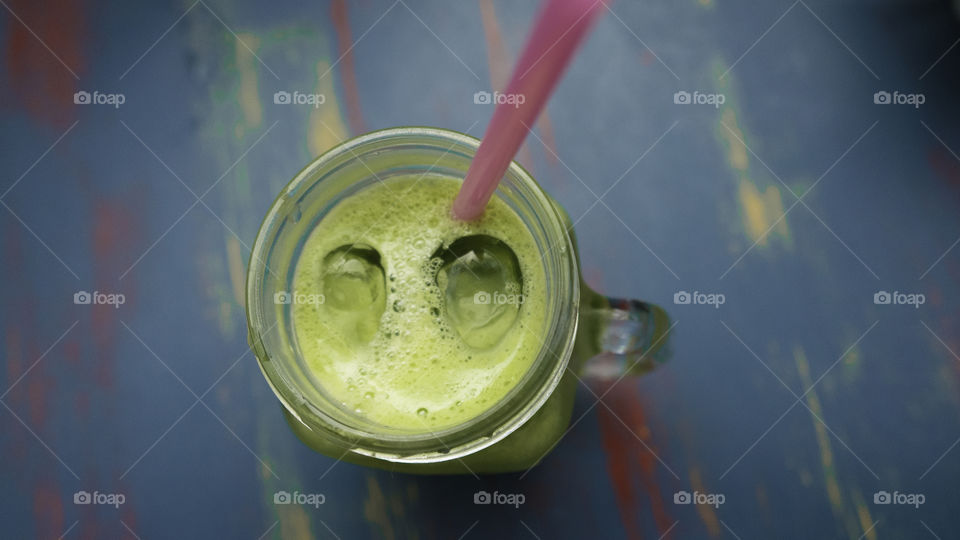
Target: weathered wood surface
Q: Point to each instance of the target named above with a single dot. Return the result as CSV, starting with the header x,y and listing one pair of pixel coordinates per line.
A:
x,y
798,198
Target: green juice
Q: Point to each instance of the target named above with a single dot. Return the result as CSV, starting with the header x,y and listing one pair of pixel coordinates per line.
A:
x,y
402,321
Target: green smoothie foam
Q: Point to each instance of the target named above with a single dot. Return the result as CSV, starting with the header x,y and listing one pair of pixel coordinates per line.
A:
x,y
411,319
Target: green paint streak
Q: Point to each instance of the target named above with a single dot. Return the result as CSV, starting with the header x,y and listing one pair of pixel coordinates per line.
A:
x,y
827,462
236,111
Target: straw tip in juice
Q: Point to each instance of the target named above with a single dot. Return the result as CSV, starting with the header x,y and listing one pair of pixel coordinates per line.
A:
x,y
462,210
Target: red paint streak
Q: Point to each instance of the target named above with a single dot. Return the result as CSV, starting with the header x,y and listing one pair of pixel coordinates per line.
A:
x,y
14,351
81,404
71,351
128,510
39,387
14,338
593,275
947,168
647,57
42,84
20,311
549,140
16,450
48,510
341,23
36,386
944,165
497,59
90,528
114,238
628,462
948,323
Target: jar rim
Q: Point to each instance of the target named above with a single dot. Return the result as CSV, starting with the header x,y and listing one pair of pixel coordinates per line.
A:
x,y
472,435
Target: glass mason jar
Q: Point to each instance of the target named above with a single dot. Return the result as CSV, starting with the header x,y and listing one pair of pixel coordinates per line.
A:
x,y
589,335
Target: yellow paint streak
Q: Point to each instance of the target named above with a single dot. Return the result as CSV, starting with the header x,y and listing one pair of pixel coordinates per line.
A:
x,y
707,513
823,439
375,509
326,126
226,317
294,521
852,364
853,356
948,379
761,211
235,267
736,150
761,208
248,93
866,522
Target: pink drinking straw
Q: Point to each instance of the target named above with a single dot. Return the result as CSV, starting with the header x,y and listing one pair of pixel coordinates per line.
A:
x,y
559,29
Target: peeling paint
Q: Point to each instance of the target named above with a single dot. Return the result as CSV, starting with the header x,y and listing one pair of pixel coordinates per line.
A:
x,y
761,205
831,485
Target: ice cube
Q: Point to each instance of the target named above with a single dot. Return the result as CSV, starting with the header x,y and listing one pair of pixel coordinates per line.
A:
x,y
354,289
481,283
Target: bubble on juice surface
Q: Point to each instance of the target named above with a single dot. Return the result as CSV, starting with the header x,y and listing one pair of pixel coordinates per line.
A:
x,y
354,290
480,281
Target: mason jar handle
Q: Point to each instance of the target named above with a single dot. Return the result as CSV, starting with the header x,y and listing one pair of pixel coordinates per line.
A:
x,y
618,337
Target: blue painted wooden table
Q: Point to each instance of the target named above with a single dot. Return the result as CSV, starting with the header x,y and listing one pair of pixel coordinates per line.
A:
x,y
798,161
